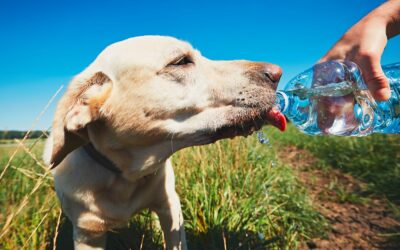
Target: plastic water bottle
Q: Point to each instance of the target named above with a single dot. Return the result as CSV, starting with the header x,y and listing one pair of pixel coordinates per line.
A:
x,y
331,98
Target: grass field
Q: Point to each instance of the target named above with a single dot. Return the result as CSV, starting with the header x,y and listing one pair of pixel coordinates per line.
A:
x,y
236,194
373,159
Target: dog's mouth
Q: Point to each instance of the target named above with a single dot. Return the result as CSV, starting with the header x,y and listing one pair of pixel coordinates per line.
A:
x,y
253,121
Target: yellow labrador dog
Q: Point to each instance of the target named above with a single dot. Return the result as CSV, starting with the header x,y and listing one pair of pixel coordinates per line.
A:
x,y
121,119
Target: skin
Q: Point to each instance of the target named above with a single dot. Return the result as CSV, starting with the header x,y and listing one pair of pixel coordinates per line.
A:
x,y
364,44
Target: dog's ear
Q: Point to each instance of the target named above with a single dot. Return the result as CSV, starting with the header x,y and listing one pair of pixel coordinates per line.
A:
x,y
80,105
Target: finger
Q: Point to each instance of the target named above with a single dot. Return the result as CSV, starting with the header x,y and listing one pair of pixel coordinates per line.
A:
x,y
376,80
337,52
322,59
328,57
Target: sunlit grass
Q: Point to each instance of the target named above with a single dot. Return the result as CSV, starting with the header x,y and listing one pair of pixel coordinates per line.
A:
x,y
238,188
27,203
373,159
234,194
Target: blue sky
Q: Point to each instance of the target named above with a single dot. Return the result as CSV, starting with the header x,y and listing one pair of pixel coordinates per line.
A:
x,y
44,43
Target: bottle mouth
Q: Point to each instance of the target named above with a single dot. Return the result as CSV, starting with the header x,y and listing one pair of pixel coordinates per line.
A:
x,y
281,101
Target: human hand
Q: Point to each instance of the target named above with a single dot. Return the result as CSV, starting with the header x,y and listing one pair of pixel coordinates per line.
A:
x,y
364,44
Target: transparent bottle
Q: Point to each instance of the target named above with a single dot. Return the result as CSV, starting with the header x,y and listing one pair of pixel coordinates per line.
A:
x,y
331,98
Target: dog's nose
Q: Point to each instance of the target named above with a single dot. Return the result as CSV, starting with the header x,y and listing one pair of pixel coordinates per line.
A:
x,y
272,72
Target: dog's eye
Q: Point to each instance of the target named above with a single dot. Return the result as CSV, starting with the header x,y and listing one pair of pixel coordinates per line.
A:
x,y
185,60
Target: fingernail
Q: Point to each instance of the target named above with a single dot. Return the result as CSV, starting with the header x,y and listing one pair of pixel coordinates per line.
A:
x,y
387,93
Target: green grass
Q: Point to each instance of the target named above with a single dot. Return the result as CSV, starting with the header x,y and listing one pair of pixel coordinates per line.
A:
x,y
27,202
373,159
234,193
343,195
238,188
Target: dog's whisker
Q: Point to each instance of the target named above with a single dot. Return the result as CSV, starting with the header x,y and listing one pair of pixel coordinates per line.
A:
x,y
172,143
254,121
242,126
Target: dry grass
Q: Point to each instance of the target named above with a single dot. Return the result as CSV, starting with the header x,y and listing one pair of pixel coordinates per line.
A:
x,y
235,195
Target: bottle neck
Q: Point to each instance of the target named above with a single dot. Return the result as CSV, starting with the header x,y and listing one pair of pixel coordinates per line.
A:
x,y
282,101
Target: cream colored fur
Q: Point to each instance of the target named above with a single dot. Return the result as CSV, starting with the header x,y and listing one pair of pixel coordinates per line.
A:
x,y
138,103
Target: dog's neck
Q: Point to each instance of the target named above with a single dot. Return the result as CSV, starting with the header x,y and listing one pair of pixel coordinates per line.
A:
x,y
133,162
101,159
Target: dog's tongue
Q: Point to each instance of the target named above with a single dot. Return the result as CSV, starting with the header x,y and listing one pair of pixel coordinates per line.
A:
x,y
276,118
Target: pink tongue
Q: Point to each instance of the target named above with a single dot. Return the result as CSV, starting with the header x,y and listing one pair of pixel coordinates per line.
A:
x,y
276,118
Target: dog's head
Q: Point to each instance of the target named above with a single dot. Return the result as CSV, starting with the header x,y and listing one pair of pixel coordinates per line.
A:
x,y
157,94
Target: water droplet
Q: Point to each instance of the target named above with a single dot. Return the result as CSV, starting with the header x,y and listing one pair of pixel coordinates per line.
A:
x,y
366,118
273,163
262,138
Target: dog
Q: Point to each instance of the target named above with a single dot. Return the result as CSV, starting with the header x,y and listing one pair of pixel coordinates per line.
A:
x,y
138,102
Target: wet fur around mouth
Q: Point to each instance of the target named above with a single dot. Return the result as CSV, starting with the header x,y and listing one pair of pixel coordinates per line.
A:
x,y
251,107
240,123
243,124
255,97
255,104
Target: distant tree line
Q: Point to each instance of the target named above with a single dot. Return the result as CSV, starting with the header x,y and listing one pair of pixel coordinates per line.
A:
x,y
15,134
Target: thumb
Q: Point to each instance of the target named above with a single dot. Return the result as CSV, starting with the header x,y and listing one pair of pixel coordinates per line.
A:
x,y
376,80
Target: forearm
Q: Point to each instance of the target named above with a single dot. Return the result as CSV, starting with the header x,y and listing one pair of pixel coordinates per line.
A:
x,y
389,14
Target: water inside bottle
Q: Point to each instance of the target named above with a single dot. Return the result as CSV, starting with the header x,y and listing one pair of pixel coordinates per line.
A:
x,y
334,108
331,89
262,138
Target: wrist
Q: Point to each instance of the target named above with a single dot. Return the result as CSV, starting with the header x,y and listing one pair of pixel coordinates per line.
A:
x,y
389,14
